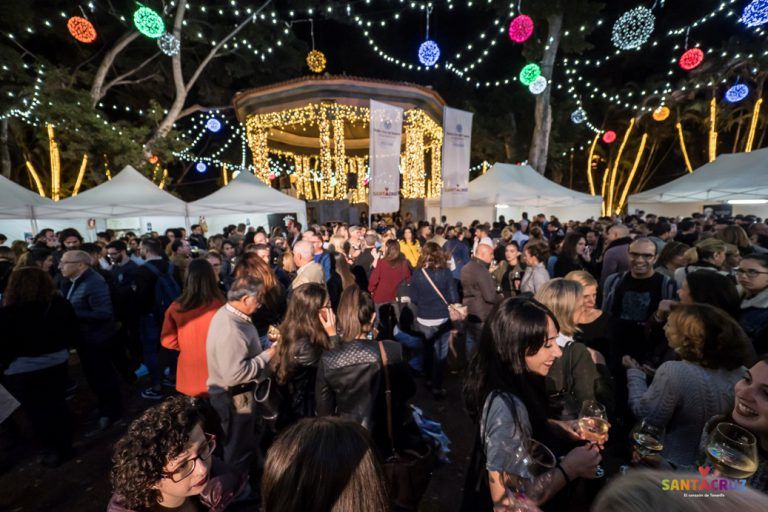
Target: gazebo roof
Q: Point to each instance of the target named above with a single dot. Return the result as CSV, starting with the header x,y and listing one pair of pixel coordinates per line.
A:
x,y
346,90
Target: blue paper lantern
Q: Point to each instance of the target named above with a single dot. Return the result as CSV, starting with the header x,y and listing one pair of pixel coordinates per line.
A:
x,y
429,53
737,93
213,125
578,116
755,14
201,167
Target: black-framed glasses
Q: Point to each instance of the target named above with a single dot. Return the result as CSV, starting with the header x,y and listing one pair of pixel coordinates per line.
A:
x,y
749,272
187,467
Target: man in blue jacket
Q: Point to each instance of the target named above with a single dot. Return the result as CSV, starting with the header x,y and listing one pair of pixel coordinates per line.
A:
x,y
88,293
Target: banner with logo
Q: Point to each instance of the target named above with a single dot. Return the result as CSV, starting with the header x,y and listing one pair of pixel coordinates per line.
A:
x,y
386,135
457,139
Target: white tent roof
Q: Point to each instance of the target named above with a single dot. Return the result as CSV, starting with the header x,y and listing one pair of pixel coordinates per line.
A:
x,y
730,176
128,194
521,185
246,194
16,202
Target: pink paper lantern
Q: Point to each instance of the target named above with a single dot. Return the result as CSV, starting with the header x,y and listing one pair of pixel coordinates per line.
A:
x,y
691,59
609,137
521,28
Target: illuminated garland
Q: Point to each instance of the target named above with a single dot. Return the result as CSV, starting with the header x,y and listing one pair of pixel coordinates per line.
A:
x,y
81,29
633,28
755,13
148,22
521,28
529,73
691,59
169,44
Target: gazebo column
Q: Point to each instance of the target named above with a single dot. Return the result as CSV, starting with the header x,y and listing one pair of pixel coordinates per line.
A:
x,y
257,140
326,158
413,166
339,158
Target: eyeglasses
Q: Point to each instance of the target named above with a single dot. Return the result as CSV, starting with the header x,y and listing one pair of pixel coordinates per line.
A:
x,y
750,273
638,255
187,467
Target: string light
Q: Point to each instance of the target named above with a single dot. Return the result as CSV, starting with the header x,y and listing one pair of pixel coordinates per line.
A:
x,y
755,13
35,178
736,93
589,165
80,175
753,126
169,44
691,59
81,29
521,28
529,73
712,129
616,163
148,22
688,165
635,165
661,114
633,28
538,86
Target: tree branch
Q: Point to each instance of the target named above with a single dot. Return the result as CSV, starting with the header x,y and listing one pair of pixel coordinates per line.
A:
x,y
136,81
199,108
106,63
121,79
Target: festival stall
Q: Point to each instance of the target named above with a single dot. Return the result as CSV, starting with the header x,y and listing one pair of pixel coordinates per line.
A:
x,y
739,180
247,199
19,210
510,190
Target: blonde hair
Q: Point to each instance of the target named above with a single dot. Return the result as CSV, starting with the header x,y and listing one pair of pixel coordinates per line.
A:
x,y
582,277
561,297
704,249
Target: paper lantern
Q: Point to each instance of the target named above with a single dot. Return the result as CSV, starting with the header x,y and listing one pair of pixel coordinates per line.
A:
x,y
521,28
148,22
169,45
429,53
213,125
609,137
633,28
272,176
736,93
529,73
81,29
153,159
538,85
578,116
316,61
661,113
691,59
201,167
755,13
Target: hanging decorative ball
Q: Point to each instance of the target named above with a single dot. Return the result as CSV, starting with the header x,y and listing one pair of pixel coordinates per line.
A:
x,y
691,59
235,174
578,116
529,73
633,28
609,137
538,85
201,167
661,113
272,176
153,159
213,125
169,45
81,29
736,93
316,61
521,28
148,22
755,13
429,53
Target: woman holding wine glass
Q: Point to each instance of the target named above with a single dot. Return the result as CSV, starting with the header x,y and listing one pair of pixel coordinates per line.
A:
x,y
505,392
712,348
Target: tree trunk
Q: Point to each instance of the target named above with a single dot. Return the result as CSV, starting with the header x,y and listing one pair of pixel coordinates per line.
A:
x,y
537,155
5,155
97,88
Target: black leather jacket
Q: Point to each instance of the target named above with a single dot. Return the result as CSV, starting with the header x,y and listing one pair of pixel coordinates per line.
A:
x,y
350,384
298,393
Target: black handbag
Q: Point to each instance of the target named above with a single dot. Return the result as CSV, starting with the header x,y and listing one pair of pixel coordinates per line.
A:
x,y
408,471
563,404
269,400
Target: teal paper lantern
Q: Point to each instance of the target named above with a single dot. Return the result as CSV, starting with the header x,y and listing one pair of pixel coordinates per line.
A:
x,y
148,22
530,73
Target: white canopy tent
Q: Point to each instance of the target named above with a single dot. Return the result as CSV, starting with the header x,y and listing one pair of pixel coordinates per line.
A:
x,y
245,199
18,209
734,177
510,190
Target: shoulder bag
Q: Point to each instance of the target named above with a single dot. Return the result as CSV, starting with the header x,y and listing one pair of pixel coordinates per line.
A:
x,y
408,472
458,311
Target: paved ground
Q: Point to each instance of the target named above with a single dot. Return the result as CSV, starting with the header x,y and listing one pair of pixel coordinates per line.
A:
x,y
82,484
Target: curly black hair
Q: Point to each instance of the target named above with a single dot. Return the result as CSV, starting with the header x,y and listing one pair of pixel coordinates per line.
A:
x,y
140,456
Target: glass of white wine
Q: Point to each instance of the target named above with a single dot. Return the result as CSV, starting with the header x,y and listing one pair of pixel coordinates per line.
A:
x,y
593,426
648,438
534,462
732,451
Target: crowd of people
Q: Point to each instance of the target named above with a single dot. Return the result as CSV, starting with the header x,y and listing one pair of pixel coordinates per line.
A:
x,y
278,368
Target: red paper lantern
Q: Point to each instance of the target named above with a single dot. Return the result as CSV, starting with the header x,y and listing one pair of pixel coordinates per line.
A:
x,y
609,137
81,29
153,159
521,28
691,59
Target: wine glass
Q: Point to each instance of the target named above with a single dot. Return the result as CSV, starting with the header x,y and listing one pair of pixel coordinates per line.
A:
x,y
533,463
648,438
593,426
732,451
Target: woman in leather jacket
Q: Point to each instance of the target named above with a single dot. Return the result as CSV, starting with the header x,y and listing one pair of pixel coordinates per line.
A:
x,y
350,378
308,328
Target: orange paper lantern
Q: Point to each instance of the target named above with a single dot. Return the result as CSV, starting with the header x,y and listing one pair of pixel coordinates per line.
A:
x,y
81,29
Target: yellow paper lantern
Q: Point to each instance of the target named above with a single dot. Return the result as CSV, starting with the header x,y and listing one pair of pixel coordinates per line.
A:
x,y
661,114
316,61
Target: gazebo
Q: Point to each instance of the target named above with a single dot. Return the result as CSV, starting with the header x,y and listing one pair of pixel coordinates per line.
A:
x,y
315,131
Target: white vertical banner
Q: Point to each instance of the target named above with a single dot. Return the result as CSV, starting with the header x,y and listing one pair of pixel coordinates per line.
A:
x,y
457,139
386,135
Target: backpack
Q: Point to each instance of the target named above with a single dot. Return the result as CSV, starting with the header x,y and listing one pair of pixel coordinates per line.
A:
x,y
167,289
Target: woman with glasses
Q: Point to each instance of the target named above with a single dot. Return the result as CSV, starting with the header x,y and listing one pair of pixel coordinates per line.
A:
x,y
165,462
752,276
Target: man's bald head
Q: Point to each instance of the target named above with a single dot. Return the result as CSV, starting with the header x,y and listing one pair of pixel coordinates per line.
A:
x,y
484,252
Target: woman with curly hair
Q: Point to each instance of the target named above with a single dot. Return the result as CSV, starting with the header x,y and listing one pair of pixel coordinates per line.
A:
x,y
684,394
165,462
